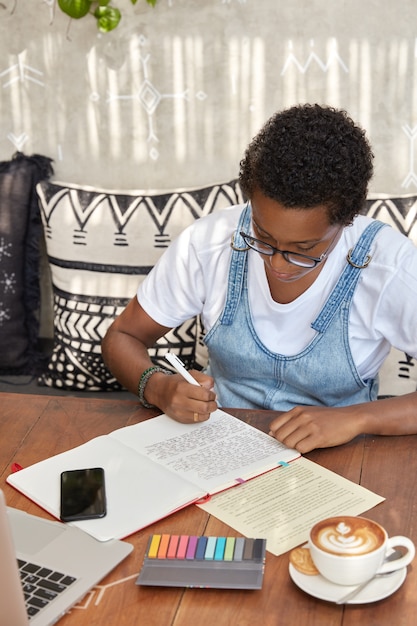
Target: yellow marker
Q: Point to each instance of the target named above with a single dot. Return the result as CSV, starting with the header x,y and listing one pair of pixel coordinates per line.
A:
x,y
153,548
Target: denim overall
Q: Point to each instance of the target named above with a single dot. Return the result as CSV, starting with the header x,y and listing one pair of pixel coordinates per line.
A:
x,y
248,375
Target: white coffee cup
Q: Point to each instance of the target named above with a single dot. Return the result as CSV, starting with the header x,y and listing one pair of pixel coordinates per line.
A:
x,y
350,550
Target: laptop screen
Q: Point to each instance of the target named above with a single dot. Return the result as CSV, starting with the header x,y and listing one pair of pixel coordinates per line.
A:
x,y
13,609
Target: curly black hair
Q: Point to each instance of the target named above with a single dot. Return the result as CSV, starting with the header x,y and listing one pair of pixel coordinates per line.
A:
x,y
310,155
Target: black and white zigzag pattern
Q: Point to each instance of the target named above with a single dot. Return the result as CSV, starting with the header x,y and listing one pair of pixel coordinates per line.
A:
x,y
101,234
400,213
129,207
70,216
76,361
399,372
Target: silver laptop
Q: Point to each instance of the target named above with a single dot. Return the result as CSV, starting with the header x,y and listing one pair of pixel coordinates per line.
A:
x,y
47,567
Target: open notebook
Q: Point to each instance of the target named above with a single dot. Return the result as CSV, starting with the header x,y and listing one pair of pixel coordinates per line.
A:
x,y
47,567
157,467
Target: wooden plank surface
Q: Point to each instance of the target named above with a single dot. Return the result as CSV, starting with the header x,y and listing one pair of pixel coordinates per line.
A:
x,y
35,427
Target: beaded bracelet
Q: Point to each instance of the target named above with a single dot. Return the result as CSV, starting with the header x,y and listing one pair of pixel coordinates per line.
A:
x,y
143,382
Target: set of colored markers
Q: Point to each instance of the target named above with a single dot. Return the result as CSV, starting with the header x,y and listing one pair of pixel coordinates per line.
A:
x,y
215,562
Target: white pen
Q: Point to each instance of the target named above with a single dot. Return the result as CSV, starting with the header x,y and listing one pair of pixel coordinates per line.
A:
x,y
179,366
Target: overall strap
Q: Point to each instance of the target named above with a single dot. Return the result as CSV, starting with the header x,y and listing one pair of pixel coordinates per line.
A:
x,y
357,259
237,267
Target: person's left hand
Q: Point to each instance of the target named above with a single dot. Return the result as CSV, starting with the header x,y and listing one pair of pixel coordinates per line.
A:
x,y
305,428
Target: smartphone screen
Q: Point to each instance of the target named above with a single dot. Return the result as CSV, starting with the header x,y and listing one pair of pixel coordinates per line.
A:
x,y
83,494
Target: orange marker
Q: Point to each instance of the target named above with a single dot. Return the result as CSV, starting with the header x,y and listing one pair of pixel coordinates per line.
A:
x,y
163,547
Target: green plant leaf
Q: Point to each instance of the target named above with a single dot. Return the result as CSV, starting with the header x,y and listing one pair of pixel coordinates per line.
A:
x,y
107,18
75,8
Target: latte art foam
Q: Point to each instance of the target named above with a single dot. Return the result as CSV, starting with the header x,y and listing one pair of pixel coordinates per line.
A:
x,y
339,537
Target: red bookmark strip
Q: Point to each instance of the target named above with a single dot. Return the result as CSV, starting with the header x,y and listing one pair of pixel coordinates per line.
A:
x,y
173,546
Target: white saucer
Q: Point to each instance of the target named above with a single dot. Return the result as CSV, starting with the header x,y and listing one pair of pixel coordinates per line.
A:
x,y
377,589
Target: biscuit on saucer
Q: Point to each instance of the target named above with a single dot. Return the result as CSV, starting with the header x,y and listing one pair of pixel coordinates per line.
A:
x,y
301,559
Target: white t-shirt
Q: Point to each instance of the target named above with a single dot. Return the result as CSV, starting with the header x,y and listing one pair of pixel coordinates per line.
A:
x,y
191,278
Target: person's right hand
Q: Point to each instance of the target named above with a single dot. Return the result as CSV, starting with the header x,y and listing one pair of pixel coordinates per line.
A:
x,y
181,400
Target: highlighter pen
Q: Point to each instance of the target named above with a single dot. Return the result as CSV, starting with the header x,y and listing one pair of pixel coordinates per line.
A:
x,y
179,366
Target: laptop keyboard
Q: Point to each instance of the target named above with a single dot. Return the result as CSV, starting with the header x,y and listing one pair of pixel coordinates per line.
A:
x,y
41,585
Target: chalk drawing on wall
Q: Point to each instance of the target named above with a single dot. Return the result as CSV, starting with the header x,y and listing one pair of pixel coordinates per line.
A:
x,y
149,97
411,178
51,6
313,58
18,140
20,72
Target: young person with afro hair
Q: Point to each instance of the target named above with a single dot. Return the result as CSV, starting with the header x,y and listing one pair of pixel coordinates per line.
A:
x,y
301,297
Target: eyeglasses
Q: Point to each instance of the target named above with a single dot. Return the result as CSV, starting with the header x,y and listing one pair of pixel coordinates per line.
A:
x,y
301,260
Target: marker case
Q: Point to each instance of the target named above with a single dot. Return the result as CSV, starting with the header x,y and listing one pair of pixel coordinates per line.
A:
x,y
211,562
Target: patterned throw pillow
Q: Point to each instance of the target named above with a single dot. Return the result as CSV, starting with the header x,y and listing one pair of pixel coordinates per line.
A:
x,y
400,212
399,372
100,244
398,375
20,234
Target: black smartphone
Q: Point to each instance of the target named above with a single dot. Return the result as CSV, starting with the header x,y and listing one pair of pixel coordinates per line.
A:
x,y
83,494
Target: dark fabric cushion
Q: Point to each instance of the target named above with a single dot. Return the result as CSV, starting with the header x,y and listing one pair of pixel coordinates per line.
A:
x,y
20,232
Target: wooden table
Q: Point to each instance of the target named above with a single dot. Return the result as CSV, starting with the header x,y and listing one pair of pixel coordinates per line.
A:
x,y
33,428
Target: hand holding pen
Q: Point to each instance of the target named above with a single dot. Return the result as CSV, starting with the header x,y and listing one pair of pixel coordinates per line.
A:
x,y
180,368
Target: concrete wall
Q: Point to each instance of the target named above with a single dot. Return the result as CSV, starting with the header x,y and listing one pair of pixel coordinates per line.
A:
x,y
174,94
